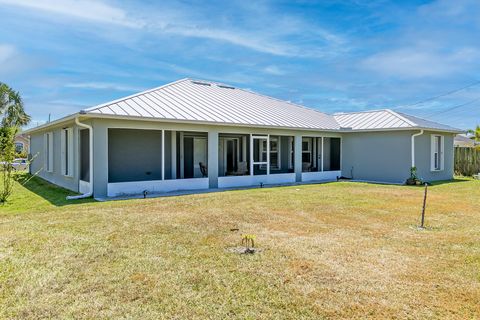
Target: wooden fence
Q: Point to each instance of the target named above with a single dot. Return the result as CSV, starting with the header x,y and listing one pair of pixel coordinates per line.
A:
x,y
467,161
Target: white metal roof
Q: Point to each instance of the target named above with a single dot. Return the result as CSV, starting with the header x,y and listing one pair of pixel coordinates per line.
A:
x,y
386,119
211,102
205,101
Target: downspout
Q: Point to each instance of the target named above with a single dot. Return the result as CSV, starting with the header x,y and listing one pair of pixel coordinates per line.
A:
x,y
413,146
90,155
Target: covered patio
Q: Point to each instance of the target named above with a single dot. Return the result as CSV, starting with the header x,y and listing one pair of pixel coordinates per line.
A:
x,y
155,161
160,161
255,159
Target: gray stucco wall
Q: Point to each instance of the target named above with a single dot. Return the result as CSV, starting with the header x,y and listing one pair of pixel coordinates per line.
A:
x,y
422,157
37,150
386,156
374,156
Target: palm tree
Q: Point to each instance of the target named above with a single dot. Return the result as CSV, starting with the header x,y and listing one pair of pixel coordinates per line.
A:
x,y
12,117
12,113
477,133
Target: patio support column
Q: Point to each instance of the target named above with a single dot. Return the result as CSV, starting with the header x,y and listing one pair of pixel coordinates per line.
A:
x,y
268,154
244,148
297,150
100,159
251,154
213,159
173,149
181,156
322,156
163,154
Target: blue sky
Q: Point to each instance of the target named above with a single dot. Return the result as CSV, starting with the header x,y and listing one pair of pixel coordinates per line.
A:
x,y
338,55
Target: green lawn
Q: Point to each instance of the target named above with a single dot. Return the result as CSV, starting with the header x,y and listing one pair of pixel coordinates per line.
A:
x,y
336,250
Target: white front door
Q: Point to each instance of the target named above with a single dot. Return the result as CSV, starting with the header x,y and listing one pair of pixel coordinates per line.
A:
x,y
199,155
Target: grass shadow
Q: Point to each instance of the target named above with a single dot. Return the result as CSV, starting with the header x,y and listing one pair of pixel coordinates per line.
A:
x,y
52,193
455,180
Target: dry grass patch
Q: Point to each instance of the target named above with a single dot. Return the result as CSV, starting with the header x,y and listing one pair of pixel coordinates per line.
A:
x,y
338,250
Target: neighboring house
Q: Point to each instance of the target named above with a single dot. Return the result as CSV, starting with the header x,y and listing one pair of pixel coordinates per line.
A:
x,y
462,140
22,144
195,134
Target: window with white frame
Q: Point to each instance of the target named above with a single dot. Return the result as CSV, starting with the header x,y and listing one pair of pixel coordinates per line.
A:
x,y
437,157
48,142
274,153
18,147
306,150
67,151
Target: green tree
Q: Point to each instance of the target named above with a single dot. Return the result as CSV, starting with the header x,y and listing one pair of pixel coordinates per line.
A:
x,y
13,116
475,133
12,111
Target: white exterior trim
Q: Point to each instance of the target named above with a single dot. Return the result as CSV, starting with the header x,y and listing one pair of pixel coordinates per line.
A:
x,y
251,180
66,151
268,154
59,122
48,142
173,160
321,176
163,154
440,152
253,163
155,186
413,146
83,186
321,164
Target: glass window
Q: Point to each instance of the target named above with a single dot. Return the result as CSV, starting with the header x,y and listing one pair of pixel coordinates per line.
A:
x,y
305,145
18,147
274,153
49,152
437,152
306,150
67,152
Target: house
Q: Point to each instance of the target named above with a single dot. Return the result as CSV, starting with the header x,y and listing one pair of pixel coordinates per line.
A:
x,y
22,144
462,140
195,134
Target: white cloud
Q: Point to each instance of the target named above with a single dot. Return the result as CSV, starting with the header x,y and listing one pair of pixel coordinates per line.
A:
x,y
13,62
103,86
234,37
417,62
179,22
274,70
7,52
96,11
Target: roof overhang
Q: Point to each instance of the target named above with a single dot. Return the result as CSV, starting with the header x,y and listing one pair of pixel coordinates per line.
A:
x,y
403,129
51,124
86,115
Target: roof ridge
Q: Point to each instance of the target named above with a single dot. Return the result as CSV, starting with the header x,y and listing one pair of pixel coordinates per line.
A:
x,y
423,119
402,117
265,96
354,112
285,101
134,95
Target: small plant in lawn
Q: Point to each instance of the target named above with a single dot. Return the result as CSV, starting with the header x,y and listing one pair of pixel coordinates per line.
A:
x,y
248,240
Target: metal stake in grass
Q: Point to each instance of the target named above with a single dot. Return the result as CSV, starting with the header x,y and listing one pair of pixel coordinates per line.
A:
x,y
422,225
